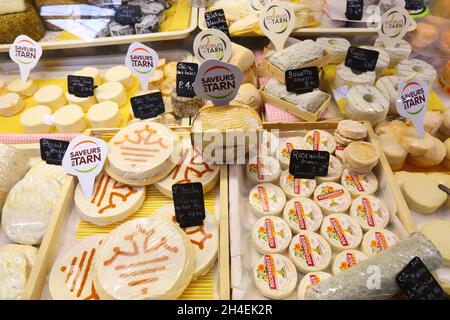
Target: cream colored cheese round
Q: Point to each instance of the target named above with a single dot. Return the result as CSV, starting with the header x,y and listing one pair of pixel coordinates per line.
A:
x,y
370,212
29,252
275,276
296,187
345,76
309,280
336,47
359,184
13,275
52,96
266,199
262,169
366,103
377,240
69,119
25,89
310,252
335,169
353,130
438,232
332,197
361,157
388,86
302,214
347,259
419,68
268,144
284,151
91,72
111,91
319,140
10,104
397,53
271,234
120,74
33,119
104,115
84,102
341,231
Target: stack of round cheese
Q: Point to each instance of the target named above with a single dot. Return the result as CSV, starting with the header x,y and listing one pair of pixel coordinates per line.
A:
x,y
262,169
417,68
361,157
397,53
25,89
346,77
51,96
366,103
336,47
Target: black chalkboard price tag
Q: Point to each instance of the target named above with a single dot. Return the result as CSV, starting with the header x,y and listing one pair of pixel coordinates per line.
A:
x,y
361,59
354,9
81,87
148,106
308,164
128,14
189,204
216,20
414,5
186,73
302,80
52,151
418,282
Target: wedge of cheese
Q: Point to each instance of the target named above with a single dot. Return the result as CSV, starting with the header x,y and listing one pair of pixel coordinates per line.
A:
x,y
438,232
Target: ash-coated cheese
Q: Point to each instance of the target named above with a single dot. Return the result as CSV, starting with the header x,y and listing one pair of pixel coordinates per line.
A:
x,y
104,115
275,276
341,231
397,53
347,259
359,184
302,214
419,68
33,119
310,252
296,187
366,103
370,212
270,235
388,86
14,273
320,140
438,232
25,89
346,77
297,55
377,240
262,169
336,47
382,62
120,74
266,199
335,169
310,280
51,96
332,197
10,104
285,148
69,119
111,91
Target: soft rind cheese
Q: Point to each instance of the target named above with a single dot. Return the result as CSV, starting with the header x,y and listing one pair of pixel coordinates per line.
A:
x,y
310,252
266,199
388,86
10,104
347,259
346,77
309,280
262,169
341,231
377,240
33,119
52,96
275,276
42,169
111,91
353,130
397,53
285,149
370,212
361,157
120,74
335,169
72,275
336,47
25,89
438,232
14,273
332,197
271,234
29,252
319,140
84,102
204,238
366,103
144,259
359,184
111,201
69,119
91,72
104,115
302,214
420,68
296,187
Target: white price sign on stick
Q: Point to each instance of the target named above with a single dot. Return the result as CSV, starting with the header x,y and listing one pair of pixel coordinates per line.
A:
x,y
394,25
277,20
212,44
25,52
142,61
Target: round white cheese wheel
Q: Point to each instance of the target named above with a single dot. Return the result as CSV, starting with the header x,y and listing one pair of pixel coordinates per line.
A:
x,y
370,212
262,169
309,280
34,119
52,96
319,140
142,153
366,103
266,199
397,53
111,201
84,102
341,231
268,144
204,238
271,234
335,169
421,69
347,259
69,119
332,197
91,72
10,104
275,276
144,259
28,209
353,130
104,115
361,157
359,184
120,74
346,77
388,86
111,91
25,89
14,272
302,214
377,240
310,252
336,47
192,168
382,62
296,187
72,275
29,252
285,149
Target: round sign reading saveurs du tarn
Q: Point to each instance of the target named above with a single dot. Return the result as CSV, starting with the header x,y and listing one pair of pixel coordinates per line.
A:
x,y
218,81
212,44
25,52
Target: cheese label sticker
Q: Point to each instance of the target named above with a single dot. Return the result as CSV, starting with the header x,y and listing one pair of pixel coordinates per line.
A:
x,y
25,52
303,215
272,233
85,158
142,61
258,5
274,272
309,250
212,44
277,20
342,231
393,26
412,102
260,166
218,81
262,192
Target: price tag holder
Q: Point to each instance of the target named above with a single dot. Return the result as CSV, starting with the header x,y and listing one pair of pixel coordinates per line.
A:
x,y
52,151
128,15
302,80
354,10
212,44
25,52
186,74
414,5
142,61
81,87
418,283
148,106
308,164
189,204
361,59
393,26
277,20
216,20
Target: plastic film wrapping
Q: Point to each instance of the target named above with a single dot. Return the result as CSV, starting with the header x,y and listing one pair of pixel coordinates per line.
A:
x,y
359,282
